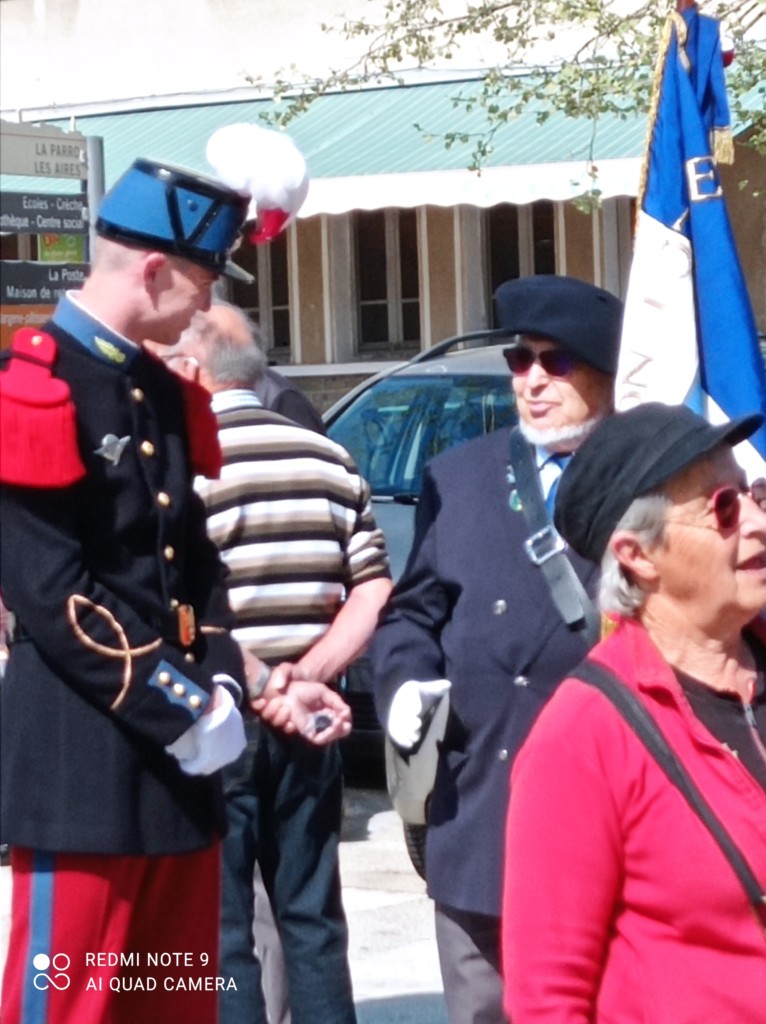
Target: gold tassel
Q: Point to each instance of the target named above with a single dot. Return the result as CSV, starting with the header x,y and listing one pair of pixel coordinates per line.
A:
x,y
722,145
654,105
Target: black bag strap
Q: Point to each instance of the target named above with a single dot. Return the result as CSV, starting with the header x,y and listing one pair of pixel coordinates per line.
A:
x,y
638,718
545,548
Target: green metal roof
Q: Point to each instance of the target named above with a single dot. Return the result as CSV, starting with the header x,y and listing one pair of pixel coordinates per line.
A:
x,y
361,134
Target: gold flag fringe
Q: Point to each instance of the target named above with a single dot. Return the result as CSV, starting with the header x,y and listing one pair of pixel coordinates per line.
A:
x,y
722,145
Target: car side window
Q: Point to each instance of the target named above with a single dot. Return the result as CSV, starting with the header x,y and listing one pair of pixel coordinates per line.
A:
x,y
396,426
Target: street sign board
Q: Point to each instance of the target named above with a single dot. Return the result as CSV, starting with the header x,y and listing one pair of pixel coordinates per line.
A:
x,y
14,317
61,248
27,283
42,152
24,213
29,291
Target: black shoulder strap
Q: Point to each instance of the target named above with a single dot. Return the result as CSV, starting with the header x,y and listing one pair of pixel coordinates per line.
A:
x,y
638,718
545,548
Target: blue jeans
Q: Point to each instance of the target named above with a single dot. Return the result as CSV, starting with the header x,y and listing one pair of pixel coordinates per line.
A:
x,y
284,805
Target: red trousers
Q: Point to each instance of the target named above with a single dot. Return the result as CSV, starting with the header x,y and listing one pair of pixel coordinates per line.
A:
x,y
113,939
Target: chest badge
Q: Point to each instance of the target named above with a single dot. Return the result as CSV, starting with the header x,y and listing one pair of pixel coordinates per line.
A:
x,y
112,448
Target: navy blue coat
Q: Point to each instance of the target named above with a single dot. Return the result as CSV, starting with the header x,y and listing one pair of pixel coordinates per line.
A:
x,y
470,607
98,681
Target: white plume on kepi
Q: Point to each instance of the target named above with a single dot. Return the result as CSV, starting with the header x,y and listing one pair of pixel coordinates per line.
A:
x,y
267,166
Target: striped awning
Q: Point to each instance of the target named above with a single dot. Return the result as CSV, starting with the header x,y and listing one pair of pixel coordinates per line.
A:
x,y
383,147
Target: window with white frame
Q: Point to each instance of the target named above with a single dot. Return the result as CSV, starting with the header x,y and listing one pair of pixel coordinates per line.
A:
x,y
385,246
520,241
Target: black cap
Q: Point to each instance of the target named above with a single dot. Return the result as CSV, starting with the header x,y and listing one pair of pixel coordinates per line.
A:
x,y
581,318
629,455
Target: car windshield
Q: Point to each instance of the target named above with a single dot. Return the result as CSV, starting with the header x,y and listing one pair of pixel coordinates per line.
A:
x,y
400,423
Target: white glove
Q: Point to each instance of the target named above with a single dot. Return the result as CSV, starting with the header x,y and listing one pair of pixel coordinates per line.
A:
x,y
214,740
412,701
225,680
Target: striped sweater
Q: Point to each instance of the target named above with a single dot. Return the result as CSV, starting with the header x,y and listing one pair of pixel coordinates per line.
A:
x,y
291,516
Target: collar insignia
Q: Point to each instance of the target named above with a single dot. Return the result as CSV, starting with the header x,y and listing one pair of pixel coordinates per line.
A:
x,y
112,448
109,350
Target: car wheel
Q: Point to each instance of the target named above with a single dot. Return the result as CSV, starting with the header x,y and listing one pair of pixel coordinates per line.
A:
x,y
415,841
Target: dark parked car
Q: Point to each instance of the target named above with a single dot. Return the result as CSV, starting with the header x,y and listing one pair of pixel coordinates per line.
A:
x,y
393,424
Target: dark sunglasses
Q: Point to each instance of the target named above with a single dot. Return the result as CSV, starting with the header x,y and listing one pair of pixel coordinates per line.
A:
x,y
556,363
726,505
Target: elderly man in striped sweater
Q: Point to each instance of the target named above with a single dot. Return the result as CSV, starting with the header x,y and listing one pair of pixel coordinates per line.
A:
x,y
309,576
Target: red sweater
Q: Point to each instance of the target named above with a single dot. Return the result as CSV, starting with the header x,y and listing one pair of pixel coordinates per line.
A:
x,y
619,906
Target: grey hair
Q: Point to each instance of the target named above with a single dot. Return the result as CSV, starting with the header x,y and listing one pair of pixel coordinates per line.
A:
x,y
645,518
226,359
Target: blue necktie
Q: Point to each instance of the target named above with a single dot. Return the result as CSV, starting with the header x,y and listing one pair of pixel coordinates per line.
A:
x,y
559,459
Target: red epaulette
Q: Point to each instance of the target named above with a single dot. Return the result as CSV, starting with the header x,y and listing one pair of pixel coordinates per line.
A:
x,y
201,430
38,433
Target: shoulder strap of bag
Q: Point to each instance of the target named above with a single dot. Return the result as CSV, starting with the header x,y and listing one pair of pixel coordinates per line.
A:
x,y
545,548
638,718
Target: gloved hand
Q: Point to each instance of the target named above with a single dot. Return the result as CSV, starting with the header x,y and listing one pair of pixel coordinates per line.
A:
x,y
411,703
215,739
225,680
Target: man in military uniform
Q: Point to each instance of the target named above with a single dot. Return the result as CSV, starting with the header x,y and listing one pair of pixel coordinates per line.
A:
x,y
116,706
474,614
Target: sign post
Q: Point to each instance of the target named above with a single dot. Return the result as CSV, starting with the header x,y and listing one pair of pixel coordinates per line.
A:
x,y
44,152
60,222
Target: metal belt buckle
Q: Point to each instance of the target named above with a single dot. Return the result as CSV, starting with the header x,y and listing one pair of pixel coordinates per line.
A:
x,y
543,545
187,626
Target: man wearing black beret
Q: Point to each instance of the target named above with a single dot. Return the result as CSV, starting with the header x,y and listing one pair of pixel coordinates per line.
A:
x,y
473,614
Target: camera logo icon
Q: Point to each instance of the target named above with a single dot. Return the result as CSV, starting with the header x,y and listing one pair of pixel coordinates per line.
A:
x,y
58,965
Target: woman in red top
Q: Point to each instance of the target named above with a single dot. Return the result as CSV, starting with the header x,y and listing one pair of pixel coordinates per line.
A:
x,y
619,906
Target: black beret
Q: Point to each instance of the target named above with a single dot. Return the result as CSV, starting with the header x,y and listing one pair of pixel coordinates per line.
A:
x,y
583,319
628,455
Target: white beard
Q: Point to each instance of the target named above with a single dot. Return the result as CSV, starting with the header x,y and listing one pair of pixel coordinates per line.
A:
x,y
554,438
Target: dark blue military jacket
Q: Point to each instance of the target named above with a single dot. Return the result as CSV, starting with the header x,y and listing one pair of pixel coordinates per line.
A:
x,y
99,680
470,607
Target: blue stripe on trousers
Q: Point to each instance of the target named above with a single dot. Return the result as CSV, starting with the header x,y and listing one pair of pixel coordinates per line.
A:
x,y
35,995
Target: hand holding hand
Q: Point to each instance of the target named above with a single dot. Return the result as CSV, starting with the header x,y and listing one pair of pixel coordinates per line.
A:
x,y
308,707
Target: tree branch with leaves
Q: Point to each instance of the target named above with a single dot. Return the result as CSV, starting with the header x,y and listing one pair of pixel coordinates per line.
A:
x,y
582,58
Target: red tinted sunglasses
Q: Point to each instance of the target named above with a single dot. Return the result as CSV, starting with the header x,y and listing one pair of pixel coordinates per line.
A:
x,y
726,504
556,363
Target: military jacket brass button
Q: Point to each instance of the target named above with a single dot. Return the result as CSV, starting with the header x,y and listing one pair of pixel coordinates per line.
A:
x,y
174,603
189,656
502,755
147,448
163,499
195,702
179,689
164,678
499,607
169,553
137,395
521,681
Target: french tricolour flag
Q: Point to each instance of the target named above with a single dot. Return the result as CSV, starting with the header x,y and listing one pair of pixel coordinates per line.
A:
x,y
690,334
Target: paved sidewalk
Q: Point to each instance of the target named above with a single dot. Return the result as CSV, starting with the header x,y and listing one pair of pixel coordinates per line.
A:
x,y
394,964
